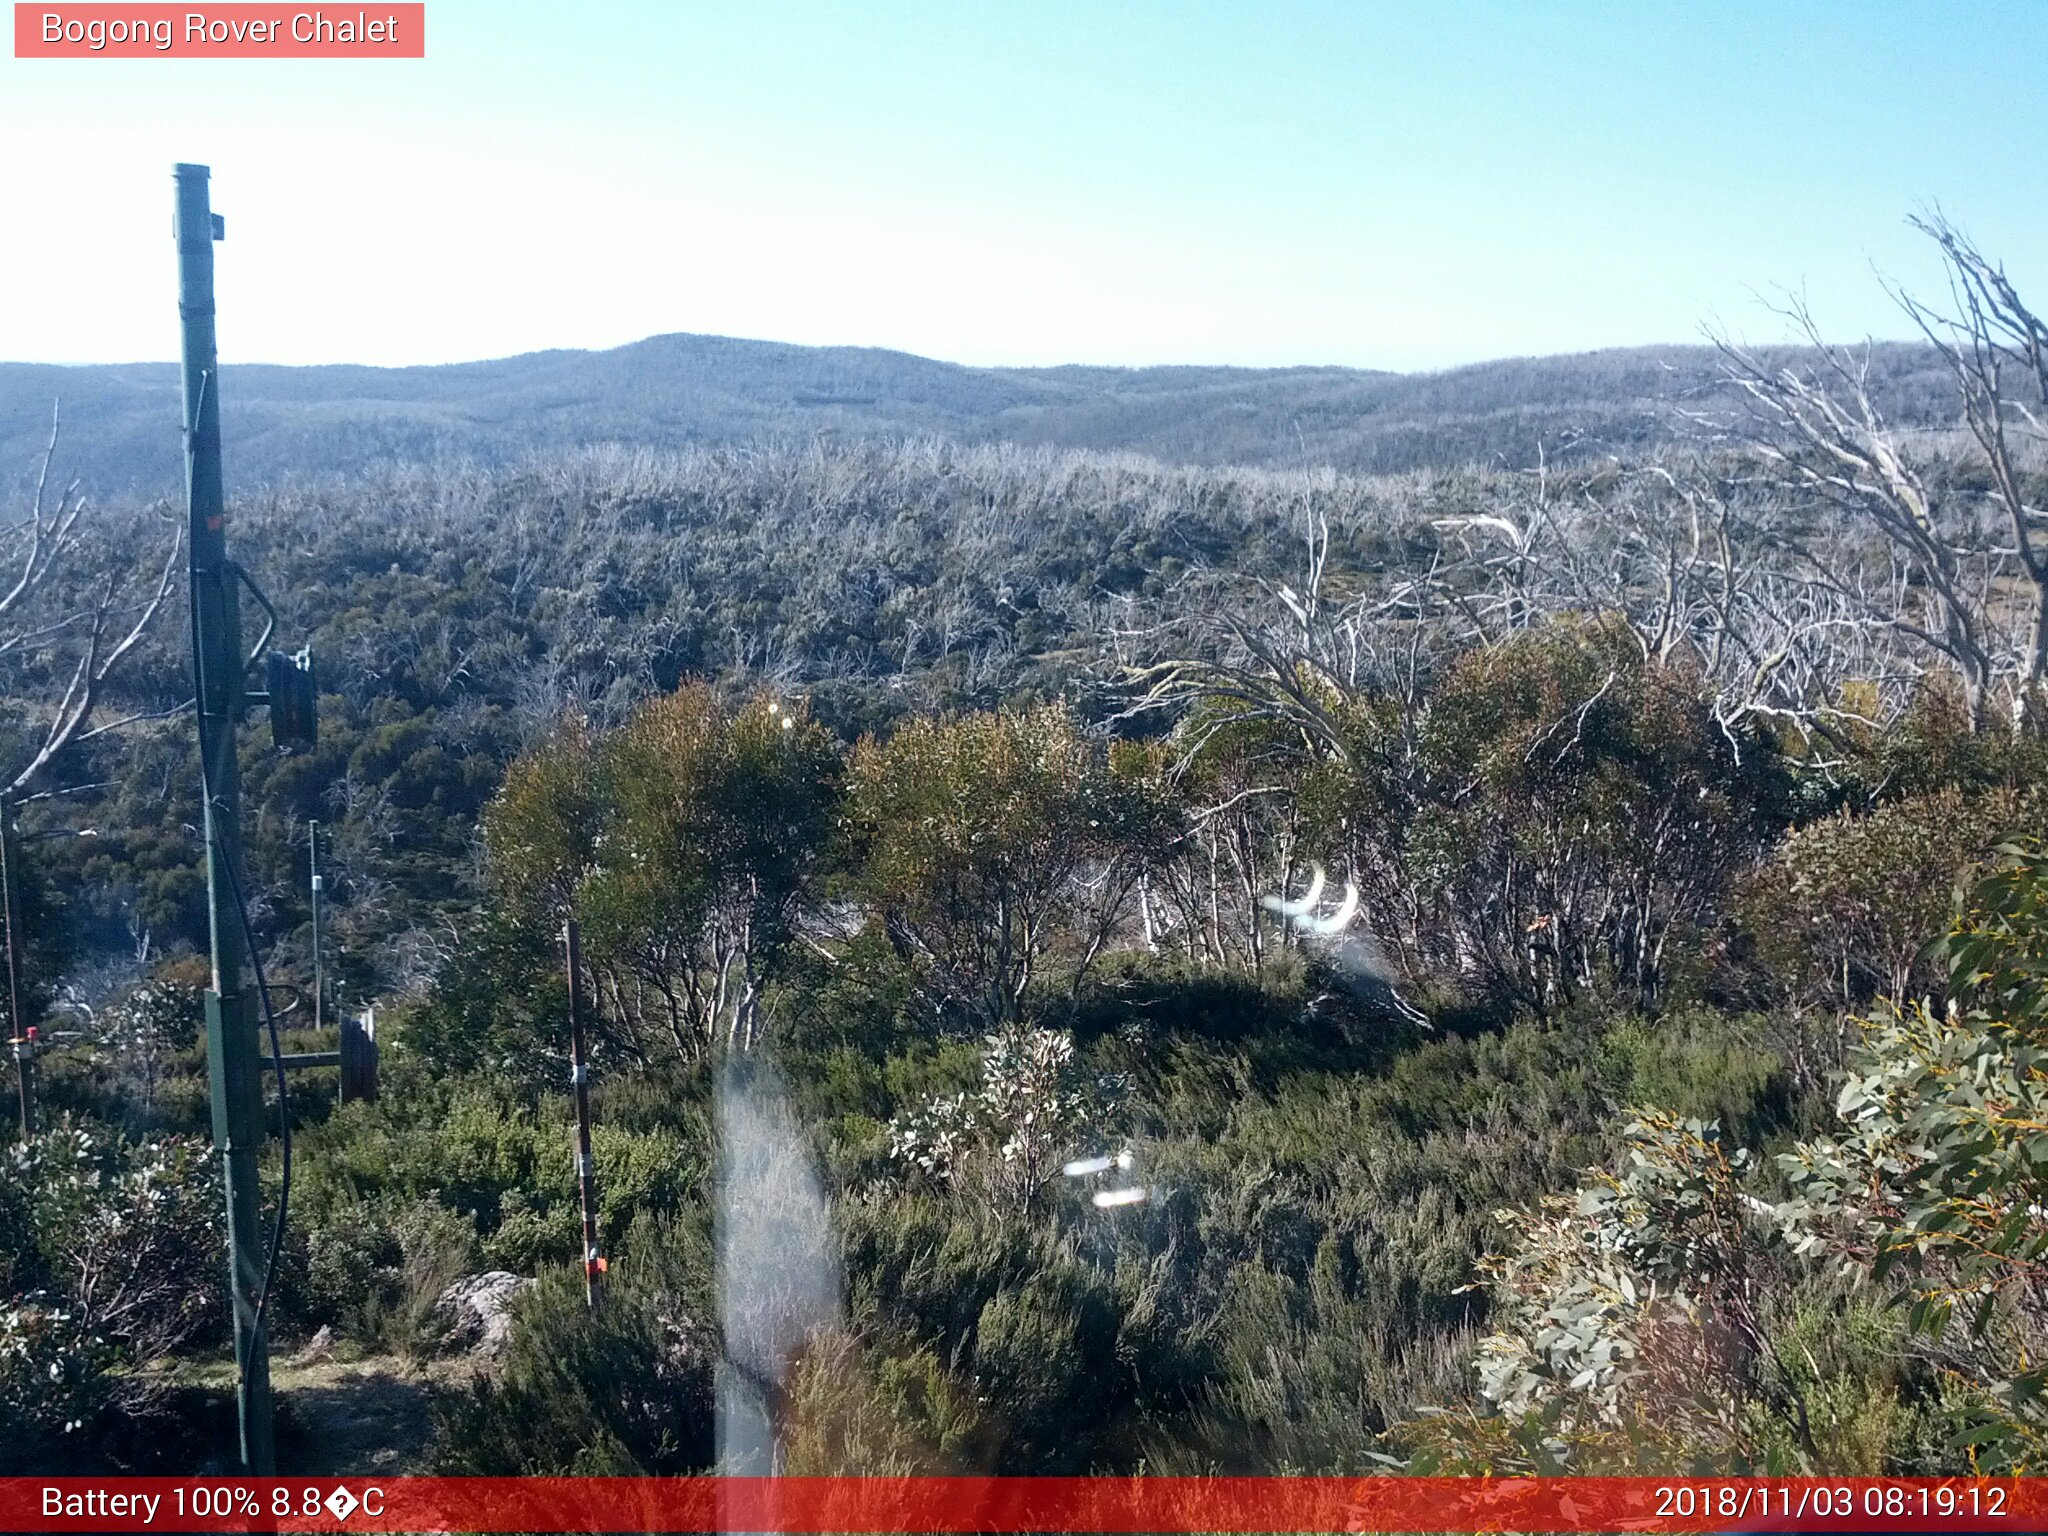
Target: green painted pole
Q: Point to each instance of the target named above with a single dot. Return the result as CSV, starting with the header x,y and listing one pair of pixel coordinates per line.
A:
x,y
233,1060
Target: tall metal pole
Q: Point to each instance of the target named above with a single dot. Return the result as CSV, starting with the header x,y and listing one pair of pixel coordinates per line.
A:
x,y
579,1081
24,1047
319,987
233,1062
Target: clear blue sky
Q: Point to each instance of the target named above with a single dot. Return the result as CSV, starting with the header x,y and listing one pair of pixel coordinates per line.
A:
x,y
1378,184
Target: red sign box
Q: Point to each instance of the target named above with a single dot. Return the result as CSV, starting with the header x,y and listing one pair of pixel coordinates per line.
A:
x,y
241,31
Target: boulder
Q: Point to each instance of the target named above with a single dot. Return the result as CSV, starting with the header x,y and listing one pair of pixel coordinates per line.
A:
x,y
318,1348
477,1309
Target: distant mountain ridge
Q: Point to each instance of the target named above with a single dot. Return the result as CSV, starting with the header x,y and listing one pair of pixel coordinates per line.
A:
x,y
121,420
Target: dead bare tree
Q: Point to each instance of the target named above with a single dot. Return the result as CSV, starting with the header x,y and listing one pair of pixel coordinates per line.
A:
x,y
68,620
1691,555
1975,588
1310,678
58,618
1268,679
1990,331
1295,653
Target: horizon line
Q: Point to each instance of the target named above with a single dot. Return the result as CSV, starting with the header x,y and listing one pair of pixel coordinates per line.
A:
x,y
1700,344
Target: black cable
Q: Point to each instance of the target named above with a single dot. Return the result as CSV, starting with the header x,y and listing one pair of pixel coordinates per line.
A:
x,y
284,1118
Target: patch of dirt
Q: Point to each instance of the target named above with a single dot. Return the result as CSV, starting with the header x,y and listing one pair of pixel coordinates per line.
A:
x,y
354,1418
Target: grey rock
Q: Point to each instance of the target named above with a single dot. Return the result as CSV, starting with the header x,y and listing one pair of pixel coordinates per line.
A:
x,y
477,1309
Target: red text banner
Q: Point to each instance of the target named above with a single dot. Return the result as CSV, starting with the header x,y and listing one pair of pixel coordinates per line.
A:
x,y
1023,1504
238,31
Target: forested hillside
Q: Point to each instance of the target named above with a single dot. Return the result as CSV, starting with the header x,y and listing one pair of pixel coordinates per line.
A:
x,y
1094,964
675,391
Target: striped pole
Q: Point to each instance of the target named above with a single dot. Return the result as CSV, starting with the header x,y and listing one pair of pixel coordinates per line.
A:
x,y
579,1086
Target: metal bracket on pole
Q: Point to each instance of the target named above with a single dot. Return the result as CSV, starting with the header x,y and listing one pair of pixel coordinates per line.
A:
x,y
358,1057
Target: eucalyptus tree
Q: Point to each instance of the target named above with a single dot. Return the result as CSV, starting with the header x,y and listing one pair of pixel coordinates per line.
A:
x,y
986,841
687,843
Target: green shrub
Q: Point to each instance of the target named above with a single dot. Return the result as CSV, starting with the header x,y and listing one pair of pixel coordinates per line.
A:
x,y
1701,1065
653,1171
116,1263
57,1376
1030,1367
436,1247
1845,906
1937,1174
349,1255
626,1388
870,1405
528,1239
977,842
1569,810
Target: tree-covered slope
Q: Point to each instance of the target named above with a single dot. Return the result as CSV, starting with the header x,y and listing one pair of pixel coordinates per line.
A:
x,y
121,421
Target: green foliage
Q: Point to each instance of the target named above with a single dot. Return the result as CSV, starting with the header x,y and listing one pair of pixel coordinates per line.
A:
x,y
435,1247
147,1038
527,1240
1700,1065
1546,834
1932,747
1628,1317
1652,1320
543,826
1030,1364
1296,1281
1534,820
972,837
397,1199
468,1151
1578,805
623,1390
114,1262
1939,1174
1865,1403
1004,1142
686,842
496,1013
347,1254
652,1170
373,1271
1305,1374
56,1374
1844,907
872,1406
